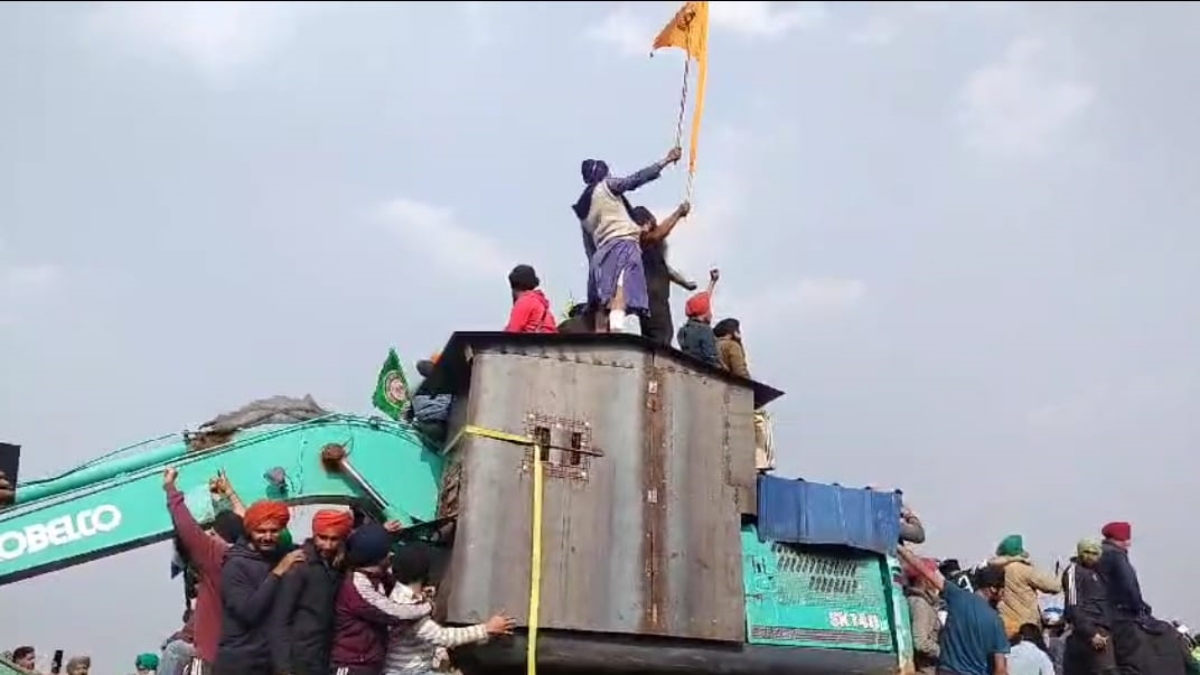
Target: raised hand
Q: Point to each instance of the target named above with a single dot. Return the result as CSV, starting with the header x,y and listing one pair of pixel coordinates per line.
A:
x,y
221,484
169,476
673,155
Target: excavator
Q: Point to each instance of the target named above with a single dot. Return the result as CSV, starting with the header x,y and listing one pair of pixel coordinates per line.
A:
x,y
600,487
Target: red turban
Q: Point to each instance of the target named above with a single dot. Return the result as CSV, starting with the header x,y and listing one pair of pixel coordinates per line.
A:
x,y
1117,531
333,523
264,511
698,305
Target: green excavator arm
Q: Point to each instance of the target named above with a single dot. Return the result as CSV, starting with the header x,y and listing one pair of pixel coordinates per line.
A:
x,y
110,506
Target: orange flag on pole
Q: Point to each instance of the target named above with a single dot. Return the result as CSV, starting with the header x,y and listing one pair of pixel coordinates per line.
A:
x,y
688,31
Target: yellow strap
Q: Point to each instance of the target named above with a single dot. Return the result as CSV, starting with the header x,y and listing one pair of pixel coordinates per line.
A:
x,y
535,555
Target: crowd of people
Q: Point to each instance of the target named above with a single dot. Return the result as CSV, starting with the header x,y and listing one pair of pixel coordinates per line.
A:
x,y
256,602
25,657
988,620
341,602
347,601
629,278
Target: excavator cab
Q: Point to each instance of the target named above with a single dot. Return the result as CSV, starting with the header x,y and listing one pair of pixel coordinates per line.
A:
x,y
619,473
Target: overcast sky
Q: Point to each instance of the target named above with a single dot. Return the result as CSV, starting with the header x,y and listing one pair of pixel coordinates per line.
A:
x,y
959,235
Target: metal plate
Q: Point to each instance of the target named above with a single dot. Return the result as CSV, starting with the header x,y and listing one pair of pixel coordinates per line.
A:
x,y
801,596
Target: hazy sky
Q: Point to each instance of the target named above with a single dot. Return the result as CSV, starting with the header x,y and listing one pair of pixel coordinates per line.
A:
x,y
959,235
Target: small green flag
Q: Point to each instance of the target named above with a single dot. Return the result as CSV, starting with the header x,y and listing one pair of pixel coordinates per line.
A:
x,y
391,392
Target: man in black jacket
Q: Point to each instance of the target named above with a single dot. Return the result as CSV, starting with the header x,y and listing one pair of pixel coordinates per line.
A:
x,y
302,619
1089,648
249,580
1129,612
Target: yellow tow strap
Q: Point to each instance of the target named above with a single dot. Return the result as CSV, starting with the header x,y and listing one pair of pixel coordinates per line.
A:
x,y
535,554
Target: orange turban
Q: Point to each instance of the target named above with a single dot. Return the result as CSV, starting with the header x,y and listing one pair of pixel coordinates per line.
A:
x,y
264,511
698,305
333,522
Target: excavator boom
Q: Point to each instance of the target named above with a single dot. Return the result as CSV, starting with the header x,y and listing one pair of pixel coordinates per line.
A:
x,y
101,516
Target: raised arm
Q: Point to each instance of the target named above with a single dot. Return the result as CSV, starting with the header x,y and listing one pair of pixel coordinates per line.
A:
x,y
664,228
225,489
714,275
621,185
914,561
195,540
678,279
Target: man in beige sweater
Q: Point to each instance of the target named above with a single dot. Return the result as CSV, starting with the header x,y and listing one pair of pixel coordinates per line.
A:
x,y
1022,582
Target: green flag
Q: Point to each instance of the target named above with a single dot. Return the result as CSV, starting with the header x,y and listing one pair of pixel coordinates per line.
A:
x,y
391,392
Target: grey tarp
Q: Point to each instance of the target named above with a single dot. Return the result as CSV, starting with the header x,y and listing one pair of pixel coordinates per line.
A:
x,y
274,410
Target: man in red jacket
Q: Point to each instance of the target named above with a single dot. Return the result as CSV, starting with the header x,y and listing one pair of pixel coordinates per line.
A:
x,y
206,552
531,310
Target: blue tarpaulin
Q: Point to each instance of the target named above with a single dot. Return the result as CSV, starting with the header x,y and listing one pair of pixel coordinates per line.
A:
x,y
800,512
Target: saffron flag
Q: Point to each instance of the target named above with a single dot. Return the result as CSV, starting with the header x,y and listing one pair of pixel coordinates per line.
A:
x,y
688,31
391,391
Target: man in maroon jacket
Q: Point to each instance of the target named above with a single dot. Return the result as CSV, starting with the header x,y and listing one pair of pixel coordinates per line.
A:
x,y
363,613
206,552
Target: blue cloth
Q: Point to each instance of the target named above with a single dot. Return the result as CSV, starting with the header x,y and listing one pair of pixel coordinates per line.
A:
x,y
973,633
1027,659
610,260
696,339
801,512
431,408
